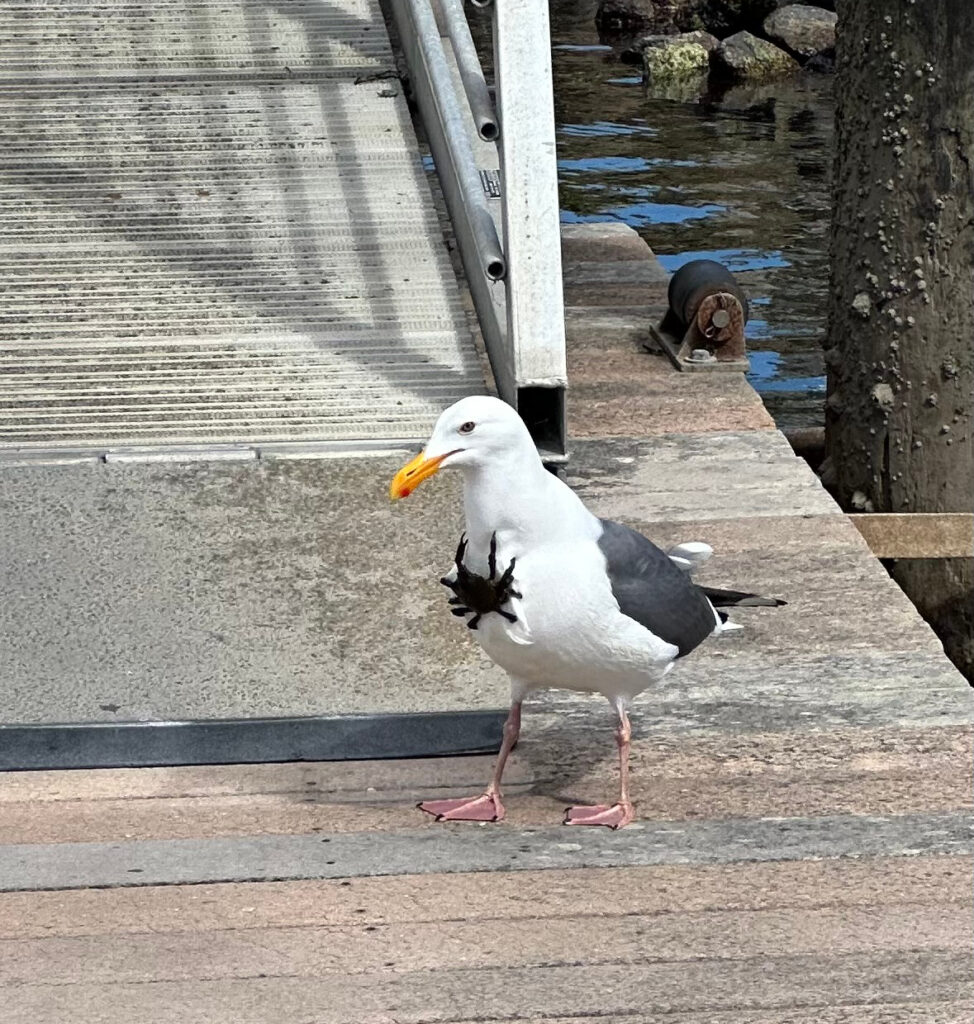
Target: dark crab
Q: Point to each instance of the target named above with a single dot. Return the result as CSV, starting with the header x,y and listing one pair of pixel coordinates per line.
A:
x,y
481,594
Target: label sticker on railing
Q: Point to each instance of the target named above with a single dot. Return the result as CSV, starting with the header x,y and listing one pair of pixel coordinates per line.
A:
x,y
491,180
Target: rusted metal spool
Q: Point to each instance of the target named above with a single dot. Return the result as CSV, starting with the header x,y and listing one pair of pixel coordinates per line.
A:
x,y
697,281
704,325
703,295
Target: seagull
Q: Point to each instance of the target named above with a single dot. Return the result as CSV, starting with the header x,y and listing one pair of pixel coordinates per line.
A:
x,y
556,596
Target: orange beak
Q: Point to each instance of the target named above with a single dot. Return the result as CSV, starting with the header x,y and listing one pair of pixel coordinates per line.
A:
x,y
413,474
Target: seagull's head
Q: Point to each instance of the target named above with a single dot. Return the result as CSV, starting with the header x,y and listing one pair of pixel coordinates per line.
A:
x,y
472,434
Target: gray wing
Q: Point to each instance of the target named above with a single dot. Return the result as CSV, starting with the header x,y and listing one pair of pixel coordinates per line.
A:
x,y
654,591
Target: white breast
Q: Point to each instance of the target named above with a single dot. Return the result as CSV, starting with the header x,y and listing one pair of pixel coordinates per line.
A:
x,y
570,633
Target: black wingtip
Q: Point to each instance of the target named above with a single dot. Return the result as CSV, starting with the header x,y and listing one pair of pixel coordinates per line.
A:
x,y
720,598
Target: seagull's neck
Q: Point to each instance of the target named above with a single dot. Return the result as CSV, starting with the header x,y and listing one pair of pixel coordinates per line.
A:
x,y
522,503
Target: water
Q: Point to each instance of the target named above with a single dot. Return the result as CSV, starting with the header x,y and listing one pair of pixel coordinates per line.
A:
x,y
741,178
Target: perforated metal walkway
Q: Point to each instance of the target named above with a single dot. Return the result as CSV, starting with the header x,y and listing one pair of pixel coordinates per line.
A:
x,y
217,229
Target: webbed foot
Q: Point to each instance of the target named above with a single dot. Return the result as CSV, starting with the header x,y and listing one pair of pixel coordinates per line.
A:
x,y
616,816
486,807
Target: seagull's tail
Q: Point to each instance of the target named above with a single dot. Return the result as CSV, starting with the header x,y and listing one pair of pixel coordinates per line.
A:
x,y
691,555
739,599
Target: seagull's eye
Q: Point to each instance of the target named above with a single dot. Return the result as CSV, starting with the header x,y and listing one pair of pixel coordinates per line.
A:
x,y
466,428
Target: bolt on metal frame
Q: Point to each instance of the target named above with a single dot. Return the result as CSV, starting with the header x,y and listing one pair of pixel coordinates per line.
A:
x,y
515,283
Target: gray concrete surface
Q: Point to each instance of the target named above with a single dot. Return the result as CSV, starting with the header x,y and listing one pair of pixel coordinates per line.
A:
x,y
460,847
226,590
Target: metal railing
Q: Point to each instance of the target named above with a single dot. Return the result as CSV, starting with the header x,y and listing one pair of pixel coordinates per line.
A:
x,y
499,177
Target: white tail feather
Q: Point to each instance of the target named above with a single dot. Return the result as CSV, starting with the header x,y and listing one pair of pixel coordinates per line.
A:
x,y
690,555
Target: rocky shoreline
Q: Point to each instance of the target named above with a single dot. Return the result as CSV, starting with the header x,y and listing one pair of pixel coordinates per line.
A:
x,y
729,40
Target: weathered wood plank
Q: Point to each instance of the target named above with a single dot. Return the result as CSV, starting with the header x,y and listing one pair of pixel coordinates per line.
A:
x,y
929,1013
482,944
672,800
763,983
355,903
588,776
917,534
565,756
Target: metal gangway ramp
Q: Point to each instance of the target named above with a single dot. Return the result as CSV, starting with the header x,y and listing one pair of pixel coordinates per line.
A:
x,y
231,310
219,232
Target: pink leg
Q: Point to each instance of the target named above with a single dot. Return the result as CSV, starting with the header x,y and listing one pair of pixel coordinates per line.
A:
x,y
487,806
621,813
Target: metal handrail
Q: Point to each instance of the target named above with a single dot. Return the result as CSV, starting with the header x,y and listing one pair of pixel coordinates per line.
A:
x,y
504,176
446,127
471,73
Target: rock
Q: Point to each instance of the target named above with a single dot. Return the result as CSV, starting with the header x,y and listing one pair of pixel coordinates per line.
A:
x,y
722,17
616,18
625,15
802,30
745,56
702,38
665,57
828,5
633,54
674,59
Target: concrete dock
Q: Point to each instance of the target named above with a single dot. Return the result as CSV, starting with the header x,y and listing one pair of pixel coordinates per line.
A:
x,y
802,849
